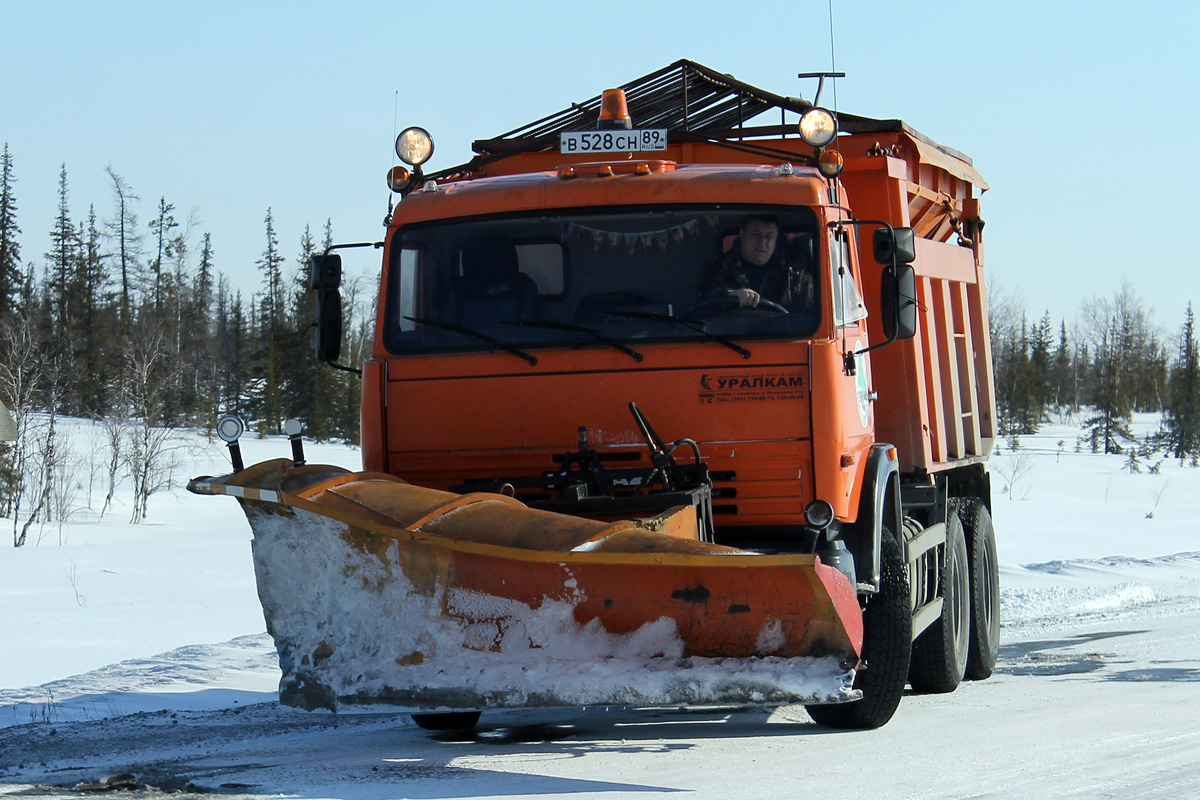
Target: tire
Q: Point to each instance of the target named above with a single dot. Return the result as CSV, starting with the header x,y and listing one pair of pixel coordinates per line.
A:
x,y
448,721
985,587
887,638
939,655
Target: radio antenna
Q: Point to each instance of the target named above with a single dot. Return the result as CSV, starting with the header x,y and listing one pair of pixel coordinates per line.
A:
x,y
387,220
395,124
832,60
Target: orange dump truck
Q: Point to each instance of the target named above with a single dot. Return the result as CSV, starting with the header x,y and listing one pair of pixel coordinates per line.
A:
x,y
663,408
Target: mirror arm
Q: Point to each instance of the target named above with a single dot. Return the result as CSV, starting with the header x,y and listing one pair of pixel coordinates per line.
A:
x,y
849,360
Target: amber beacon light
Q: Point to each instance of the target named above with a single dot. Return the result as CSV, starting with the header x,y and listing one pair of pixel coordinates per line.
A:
x,y
830,163
614,112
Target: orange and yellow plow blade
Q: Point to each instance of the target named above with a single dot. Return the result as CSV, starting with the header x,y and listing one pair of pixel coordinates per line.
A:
x,y
377,591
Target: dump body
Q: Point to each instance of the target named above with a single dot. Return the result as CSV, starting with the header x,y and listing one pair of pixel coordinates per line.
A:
x,y
936,393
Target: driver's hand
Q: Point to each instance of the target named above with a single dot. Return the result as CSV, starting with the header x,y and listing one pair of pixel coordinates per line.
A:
x,y
747,298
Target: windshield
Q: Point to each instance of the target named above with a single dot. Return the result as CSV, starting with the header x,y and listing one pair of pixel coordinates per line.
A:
x,y
616,277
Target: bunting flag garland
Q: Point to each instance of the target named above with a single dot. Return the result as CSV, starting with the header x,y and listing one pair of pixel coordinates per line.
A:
x,y
583,235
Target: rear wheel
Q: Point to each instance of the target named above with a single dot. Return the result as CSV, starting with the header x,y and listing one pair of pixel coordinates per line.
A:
x,y
887,644
985,587
939,655
448,721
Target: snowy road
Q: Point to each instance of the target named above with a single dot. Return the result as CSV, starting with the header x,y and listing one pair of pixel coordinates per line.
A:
x,y
1096,694
1106,708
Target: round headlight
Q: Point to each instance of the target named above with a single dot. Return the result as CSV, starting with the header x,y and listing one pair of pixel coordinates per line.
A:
x,y
229,428
414,146
818,127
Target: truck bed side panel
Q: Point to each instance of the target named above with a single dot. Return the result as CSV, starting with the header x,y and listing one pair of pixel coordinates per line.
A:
x,y
936,396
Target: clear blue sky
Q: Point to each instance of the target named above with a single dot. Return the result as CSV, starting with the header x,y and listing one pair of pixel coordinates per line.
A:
x,y
1081,115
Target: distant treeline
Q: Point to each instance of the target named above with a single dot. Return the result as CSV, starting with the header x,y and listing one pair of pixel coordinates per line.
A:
x,y
1111,362
136,325
138,319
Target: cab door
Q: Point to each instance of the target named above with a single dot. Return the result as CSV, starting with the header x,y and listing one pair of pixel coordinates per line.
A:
x,y
848,415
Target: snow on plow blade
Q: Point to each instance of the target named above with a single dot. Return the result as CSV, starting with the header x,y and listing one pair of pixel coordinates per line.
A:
x,y
380,592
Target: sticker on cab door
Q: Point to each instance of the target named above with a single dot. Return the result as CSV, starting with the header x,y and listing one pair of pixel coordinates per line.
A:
x,y
747,387
861,389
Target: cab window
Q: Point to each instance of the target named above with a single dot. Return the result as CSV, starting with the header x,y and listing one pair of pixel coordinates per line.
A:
x,y
571,279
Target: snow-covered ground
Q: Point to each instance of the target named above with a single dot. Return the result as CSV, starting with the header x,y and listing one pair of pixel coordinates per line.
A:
x,y
141,650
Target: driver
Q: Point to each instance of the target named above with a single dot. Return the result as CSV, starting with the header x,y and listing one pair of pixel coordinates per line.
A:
x,y
753,270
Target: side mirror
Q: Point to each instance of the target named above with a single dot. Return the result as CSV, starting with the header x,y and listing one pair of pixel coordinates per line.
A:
x,y
325,277
899,300
325,272
898,244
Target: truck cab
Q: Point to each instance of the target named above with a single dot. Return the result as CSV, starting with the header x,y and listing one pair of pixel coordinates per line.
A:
x,y
517,309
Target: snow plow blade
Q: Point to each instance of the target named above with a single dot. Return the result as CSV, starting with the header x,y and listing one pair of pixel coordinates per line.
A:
x,y
377,591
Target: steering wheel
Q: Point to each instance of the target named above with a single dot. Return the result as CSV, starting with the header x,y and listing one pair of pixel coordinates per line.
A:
x,y
729,303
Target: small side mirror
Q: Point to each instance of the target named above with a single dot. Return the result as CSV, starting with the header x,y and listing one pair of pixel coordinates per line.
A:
x,y
899,301
325,272
897,243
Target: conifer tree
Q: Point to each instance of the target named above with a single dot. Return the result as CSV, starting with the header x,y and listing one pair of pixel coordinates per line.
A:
x,y
58,324
232,336
90,322
1041,369
199,347
270,327
1114,328
176,298
1183,411
1063,375
123,232
10,248
61,259
304,399
162,228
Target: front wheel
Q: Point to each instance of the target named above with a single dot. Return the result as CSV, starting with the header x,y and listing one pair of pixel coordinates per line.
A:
x,y
887,645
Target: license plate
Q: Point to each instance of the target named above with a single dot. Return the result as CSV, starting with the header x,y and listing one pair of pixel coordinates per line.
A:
x,y
618,141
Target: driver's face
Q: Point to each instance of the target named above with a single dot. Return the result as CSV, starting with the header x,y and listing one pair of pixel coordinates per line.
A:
x,y
758,241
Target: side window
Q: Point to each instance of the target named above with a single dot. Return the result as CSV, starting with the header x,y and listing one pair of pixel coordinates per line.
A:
x,y
848,306
406,305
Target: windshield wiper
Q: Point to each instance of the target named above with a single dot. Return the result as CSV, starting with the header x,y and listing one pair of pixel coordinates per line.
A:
x,y
595,334
483,337
691,324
